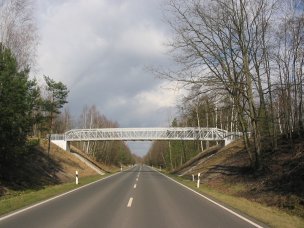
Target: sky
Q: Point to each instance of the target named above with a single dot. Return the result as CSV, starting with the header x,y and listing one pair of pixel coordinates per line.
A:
x,y
102,50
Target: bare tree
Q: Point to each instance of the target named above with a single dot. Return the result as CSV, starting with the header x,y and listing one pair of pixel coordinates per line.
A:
x,y
18,30
108,152
289,60
222,46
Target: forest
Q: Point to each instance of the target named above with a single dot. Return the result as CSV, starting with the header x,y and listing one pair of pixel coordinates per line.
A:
x,y
31,107
106,152
242,63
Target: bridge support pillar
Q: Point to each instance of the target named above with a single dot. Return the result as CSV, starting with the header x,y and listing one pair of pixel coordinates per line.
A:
x,y
68,144
227,141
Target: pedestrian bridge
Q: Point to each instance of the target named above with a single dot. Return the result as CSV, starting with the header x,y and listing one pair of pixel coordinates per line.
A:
x,y
143,134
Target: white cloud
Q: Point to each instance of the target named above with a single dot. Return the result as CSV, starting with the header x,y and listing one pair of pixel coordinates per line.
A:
x,y
100,49
155,98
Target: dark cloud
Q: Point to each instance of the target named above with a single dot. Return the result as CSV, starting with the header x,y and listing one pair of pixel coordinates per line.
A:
x,y
101,49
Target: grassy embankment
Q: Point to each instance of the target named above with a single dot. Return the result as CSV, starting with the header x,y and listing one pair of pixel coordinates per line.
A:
x,y
274,196
37,176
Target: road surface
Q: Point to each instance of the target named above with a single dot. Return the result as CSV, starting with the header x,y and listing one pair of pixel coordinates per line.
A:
x,y
139,197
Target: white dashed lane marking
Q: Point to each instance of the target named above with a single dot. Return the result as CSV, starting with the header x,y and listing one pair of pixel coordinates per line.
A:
x,y
130,202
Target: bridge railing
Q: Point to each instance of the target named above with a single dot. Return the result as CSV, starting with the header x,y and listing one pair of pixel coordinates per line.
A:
x,y
57,136
147,134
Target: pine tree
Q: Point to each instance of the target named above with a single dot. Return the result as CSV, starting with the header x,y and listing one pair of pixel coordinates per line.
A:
x,y
17,98
57,97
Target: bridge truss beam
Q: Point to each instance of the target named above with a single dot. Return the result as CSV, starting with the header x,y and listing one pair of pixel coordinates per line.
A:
x,y
147,134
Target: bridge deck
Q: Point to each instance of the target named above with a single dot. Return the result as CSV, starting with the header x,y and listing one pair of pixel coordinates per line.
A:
x,y
146,134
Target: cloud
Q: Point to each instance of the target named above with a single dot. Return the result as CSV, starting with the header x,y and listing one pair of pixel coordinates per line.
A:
x,y
100,50
153,107
157,97
143,41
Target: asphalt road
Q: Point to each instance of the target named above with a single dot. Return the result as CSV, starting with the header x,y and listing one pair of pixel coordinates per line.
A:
x,y
139,197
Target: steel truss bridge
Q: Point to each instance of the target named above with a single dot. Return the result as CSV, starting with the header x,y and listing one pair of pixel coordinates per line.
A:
x,y
144,134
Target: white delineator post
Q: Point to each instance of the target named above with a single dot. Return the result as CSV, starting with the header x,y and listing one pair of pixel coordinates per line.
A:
x,y
76,177
193,177
120,168
198,180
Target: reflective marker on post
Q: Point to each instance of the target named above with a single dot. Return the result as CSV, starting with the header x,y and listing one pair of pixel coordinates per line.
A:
x,y
76,177
198,180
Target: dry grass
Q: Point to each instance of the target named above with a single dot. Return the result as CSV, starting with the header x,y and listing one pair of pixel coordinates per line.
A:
x,y
220,157
69,164
196,160
36,169
104,167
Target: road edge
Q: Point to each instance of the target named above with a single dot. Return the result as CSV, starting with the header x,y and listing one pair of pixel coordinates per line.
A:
x,y
18,211
212,201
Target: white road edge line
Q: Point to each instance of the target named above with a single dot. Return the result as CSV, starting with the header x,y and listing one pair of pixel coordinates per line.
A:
x,y
134,185
56,197
212,201
130,202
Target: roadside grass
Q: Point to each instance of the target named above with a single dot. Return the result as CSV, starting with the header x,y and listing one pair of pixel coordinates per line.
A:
x,y
268,215
21,199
